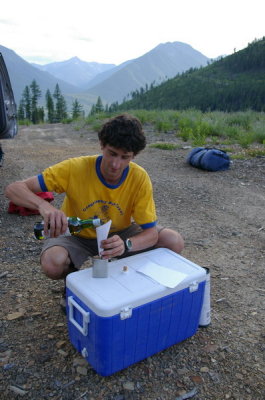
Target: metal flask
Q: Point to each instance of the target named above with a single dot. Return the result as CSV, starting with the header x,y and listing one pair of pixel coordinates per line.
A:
x,y
99,268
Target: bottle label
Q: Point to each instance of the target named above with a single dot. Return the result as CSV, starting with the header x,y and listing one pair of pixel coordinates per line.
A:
x,y
66,233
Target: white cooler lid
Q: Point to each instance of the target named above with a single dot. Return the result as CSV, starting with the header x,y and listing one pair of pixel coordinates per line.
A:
x,y
109,296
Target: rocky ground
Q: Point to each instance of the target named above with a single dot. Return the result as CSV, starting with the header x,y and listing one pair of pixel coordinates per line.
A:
x,y
222,218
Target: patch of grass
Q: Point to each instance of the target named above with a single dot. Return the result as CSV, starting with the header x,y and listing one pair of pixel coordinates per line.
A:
x,y
256,152
96,126
164,146
249,153
228,149
25,122
67,121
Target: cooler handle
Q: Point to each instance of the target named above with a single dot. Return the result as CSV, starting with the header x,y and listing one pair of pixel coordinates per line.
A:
x,y
86,316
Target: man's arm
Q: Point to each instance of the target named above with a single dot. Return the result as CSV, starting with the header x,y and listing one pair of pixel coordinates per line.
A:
x,y
114,246
23,194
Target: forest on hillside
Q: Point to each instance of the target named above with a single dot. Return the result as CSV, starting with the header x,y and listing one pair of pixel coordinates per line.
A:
x,y
233,83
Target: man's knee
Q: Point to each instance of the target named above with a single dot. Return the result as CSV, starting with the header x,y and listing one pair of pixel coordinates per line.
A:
x,y
55,262
171,240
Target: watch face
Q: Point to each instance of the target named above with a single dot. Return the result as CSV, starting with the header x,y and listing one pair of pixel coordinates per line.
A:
x,y
128,244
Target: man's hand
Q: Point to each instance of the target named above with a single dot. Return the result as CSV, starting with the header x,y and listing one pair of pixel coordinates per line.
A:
x,y
113,247
55,221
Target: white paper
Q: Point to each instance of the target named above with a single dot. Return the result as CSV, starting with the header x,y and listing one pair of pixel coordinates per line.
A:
x,y
102,234
165,276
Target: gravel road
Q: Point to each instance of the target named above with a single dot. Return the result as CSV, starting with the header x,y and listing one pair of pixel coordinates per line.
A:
x,y
222,218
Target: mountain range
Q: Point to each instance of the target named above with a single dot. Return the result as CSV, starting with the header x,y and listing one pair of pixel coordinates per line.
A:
x,y
75,71
85,81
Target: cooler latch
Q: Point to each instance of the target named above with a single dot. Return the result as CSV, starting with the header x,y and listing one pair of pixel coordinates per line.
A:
x,y
193,286
84,353
126,312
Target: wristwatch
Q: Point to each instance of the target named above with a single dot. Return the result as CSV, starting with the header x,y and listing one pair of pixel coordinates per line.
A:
x,y
127,245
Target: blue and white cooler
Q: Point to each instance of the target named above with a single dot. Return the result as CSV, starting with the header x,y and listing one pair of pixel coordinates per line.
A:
x,y
148,302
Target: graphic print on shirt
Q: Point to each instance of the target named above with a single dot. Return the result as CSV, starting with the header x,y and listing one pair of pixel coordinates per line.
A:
x,y
104,210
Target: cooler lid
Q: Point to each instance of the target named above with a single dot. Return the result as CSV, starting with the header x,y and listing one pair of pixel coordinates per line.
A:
x,y
132,286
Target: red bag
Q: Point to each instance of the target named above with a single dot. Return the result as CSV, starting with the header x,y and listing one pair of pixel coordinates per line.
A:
x,y
14,209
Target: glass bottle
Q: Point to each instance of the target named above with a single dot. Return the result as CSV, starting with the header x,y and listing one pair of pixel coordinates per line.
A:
x,y
75,225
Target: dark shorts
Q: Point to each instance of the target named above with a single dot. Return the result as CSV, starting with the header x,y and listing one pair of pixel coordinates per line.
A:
x,y
80,249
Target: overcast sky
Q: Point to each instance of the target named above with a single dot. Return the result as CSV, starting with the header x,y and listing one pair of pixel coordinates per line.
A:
x,y
114,31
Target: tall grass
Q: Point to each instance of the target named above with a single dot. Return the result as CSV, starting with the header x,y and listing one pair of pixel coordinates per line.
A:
x,y
198,128
212,128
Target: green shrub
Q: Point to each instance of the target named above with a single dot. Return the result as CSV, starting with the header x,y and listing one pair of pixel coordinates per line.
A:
x,y
241,119
96,126
67,120
163,126
259,133
26,122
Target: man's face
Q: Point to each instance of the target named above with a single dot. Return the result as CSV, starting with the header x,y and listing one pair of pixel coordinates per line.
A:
x,y
113,163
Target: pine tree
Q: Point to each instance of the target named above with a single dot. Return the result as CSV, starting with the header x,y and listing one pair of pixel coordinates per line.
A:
x,y
49,106
21,110
60,105
35,95
99,105
40,114
77,109
93,110
26,101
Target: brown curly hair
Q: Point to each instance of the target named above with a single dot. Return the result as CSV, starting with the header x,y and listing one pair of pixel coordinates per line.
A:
x,y
123,132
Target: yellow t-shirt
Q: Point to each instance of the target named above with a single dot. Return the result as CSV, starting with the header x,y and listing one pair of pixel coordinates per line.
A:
x,y
89,196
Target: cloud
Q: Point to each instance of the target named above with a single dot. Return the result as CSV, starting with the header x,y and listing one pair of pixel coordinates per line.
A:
x,y
83,39
7,22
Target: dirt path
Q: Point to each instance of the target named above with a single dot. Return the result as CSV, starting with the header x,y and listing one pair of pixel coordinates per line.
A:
x,y
222,218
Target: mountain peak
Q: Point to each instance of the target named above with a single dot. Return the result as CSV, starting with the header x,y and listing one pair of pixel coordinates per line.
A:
x,y
74,59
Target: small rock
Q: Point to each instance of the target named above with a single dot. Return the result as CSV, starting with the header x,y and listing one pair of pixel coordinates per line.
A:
x,y
79,361
15,315
182,371
4,357
9,366
36,314
60,344
50,336
63,353
215,376
18,390
204,369
196,379
210,348
119,397
81,370
128,385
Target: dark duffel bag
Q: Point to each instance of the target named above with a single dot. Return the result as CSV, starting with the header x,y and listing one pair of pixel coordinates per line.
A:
x,y
209,159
